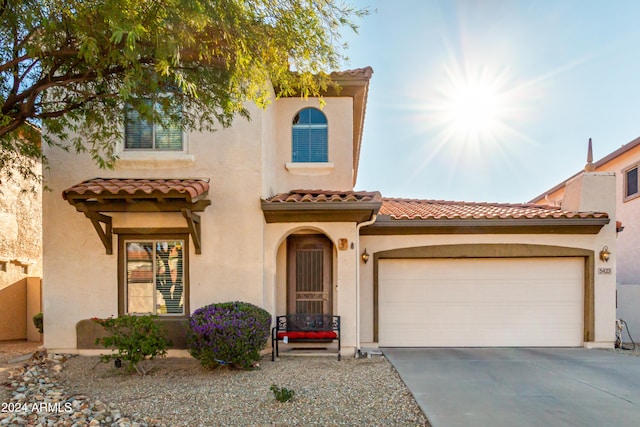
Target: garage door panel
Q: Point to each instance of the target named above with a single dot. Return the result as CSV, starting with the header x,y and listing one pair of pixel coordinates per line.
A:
x,y
481,302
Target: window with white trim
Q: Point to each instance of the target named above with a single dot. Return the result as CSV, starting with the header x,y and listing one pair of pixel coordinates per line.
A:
x,y
154,276
140,134
631,182
309,137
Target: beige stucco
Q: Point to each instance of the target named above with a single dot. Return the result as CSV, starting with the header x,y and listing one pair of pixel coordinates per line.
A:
x,y
21,228
243,257
340,131
344,271
627,268
604,286
591,192
20,302
239,251
20,254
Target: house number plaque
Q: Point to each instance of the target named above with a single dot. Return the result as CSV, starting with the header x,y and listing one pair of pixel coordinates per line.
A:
x,y
604,270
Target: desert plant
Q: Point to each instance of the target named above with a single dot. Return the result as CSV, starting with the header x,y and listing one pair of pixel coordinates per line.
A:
x,y
137,339
228,334
38,321
282,394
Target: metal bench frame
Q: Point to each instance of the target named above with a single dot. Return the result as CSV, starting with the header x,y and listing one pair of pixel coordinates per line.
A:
x,y
305,323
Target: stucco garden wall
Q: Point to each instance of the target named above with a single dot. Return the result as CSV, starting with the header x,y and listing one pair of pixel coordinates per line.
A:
x,y
21,226
20,255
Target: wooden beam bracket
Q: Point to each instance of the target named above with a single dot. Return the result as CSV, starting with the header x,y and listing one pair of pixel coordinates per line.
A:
x,y
193,222
106,234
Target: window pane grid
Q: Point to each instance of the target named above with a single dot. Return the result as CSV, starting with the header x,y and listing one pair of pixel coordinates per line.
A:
x,y
632,182
154,277
144,135
310,137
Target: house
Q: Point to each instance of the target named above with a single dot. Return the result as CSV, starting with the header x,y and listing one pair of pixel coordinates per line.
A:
x,y
623,163
20,255
266,212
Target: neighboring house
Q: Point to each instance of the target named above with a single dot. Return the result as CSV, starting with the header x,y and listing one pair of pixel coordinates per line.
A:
x,y
265,212
20,256
624,163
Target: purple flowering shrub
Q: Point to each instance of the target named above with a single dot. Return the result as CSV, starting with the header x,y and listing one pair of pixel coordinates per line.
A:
x,y
228,334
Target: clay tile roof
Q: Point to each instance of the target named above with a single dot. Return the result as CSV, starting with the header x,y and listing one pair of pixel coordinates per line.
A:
x,y
364,71
414,209
323,196
186,189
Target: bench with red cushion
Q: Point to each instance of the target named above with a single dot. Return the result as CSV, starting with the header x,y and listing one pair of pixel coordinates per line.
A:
x,y
305,328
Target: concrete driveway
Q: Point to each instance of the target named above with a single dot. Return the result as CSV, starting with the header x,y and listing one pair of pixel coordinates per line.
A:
x,y
521,386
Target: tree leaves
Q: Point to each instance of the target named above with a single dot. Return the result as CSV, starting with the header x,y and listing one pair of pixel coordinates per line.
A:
x,y
69,65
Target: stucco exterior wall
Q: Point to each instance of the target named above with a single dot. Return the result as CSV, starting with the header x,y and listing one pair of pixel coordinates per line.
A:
x,y
79,274
21,228
604,286
628,212
244,164
344,271
20,254
588,192
339,112
627,252
627,245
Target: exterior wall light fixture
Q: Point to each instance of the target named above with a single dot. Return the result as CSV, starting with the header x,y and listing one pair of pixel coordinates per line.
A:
x,y
365,256
605,254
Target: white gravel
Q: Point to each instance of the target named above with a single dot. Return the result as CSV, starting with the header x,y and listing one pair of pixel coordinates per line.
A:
x,y
179,392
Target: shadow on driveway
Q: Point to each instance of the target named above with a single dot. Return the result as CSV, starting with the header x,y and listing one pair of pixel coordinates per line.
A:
x,y
521,386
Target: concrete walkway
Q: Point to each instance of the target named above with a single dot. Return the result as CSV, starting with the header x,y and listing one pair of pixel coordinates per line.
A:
x,y
521,386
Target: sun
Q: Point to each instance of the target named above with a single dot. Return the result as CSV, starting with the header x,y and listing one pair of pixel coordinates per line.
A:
x,y
473,105
474,109
470,115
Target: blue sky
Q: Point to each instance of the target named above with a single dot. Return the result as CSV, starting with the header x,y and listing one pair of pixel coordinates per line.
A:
x,y
493,100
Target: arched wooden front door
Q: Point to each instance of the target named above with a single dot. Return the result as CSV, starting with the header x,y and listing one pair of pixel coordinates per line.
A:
x,y
309,275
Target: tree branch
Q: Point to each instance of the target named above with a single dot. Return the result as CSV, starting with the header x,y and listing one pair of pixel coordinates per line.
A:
x,y
10,64
11,126
63,111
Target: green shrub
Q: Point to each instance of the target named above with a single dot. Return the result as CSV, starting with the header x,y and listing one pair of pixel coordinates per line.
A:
x,y
38,321
282,394
137,338
228,334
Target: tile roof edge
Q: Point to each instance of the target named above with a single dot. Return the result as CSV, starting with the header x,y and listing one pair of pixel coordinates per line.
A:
x,y
466,203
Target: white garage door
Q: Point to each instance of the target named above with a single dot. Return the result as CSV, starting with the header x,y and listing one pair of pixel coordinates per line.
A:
x,y
478,302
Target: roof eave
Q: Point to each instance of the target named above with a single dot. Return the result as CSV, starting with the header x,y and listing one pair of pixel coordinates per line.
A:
x,y
385,225
275,212
354,84
603,161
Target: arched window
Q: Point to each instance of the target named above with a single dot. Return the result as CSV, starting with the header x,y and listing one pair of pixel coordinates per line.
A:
x,y
309,136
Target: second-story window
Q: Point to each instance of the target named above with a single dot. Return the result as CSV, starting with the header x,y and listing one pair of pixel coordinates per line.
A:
x,y
309,136
140,134
631,182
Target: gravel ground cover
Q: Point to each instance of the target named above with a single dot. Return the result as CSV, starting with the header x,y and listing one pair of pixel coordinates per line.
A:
x,y
12,349
179,392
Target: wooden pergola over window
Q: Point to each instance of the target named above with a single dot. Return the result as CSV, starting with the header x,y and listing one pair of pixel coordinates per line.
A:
x,y
97,196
